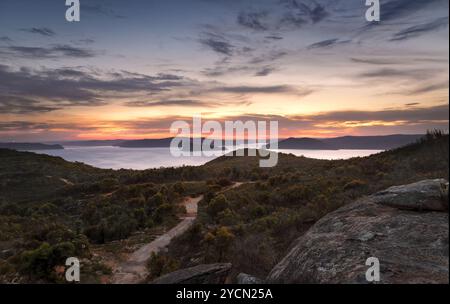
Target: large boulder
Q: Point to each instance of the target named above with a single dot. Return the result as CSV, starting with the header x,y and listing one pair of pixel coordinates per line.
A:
x,y
431,195
404,227
201,274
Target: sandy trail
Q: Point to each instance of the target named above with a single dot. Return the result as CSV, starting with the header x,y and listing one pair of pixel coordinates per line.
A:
x,y
134,270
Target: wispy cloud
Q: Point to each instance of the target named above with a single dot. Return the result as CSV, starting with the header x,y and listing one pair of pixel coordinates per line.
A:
x,y
435,113
274,37
399,8
44,31
6,39
240,70
375,61
327,43
287,15
20,105
301,12
275,89
268,57
265,71
422,89
253,20
99,9
389,73
217,43
55,51
418,30
27,90
170,103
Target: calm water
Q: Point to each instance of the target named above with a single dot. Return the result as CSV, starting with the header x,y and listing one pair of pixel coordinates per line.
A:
x,y
145,158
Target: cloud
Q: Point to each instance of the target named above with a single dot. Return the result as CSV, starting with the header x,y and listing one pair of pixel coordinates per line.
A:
x,y
268,57
239,69
252,20
275,89
415,31
327,44
374,61
6,39
21,105
274,37
264,71
217,43
323,44
429,88
300,13
99,9
44,90
412,119
55,51
169,103
27,126
400,8
291,20
290,15
414,74
436,113
44,31
225,70
84,41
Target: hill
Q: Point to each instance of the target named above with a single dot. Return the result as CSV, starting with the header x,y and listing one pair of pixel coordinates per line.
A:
x,y
161,143
91,143
30,146
384,142
146,143
305,144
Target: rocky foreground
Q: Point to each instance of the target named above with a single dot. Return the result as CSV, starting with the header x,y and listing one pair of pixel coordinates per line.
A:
x,y
404,227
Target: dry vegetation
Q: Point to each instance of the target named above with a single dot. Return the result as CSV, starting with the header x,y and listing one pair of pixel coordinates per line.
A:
x,y
51,209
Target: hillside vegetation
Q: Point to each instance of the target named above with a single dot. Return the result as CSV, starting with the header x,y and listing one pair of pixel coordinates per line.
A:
x,y
253,226
51,209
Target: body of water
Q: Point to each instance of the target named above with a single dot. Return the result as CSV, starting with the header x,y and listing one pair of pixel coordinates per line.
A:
x,y
146,158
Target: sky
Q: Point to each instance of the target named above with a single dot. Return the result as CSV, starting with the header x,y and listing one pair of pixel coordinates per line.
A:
x,y
129,69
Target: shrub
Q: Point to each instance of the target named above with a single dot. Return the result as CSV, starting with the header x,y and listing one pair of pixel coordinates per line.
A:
x,y
159,265
216,205
355,184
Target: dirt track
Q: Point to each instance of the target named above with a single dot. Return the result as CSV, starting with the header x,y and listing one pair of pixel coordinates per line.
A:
x,y
134,270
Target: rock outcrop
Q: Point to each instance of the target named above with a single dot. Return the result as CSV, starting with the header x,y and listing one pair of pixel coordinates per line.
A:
x,y
201,274
427,195
404,227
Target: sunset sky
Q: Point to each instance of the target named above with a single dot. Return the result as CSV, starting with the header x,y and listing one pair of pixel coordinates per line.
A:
x,y
130,68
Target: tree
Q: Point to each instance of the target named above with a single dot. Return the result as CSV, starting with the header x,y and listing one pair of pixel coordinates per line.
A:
x,y
217,205
224,238
159,265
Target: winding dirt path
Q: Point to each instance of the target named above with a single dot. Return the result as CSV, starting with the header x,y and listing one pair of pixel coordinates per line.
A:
x,y
134,270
